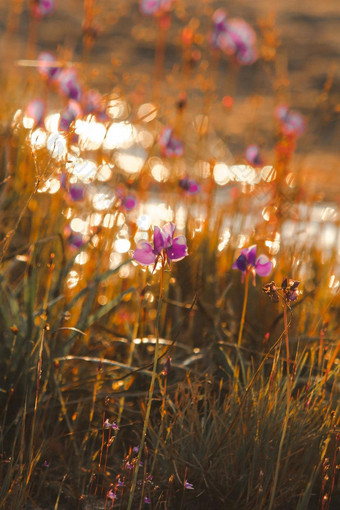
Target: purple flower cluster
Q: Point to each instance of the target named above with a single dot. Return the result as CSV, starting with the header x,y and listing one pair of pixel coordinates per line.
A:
x,y
234,37
164,244
288,288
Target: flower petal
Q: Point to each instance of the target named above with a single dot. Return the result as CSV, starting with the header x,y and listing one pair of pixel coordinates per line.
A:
x,y
251,255
241,263
159,240
178,250
144,253
263,266
168,231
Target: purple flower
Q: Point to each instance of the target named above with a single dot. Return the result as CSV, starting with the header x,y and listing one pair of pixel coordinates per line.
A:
x,y
120,483
76,241
128,202
188,485
252,155
240,41
46,464
111,494
247,261
69,114
47,65
171,146
135,449
108,425
77,192
147,500
289,288
152,7
164,243
219,29
128,465
68,84
291,122
190,186
42,8
36,110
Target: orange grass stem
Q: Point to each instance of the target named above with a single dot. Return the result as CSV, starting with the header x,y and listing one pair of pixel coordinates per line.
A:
x,y
245,300
150,395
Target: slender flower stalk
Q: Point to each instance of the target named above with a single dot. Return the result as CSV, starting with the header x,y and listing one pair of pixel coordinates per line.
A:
x,y
245,300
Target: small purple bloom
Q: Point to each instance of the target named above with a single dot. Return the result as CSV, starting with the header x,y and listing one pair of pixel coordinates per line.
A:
x,y
68,84
111,495
247,261
188,485
47,65
219,29
46,464
128,465
42,8
289,288
147,500
190,186
77,192
174,249
36,110
153,7
76,241
120,483
135,449
127,202
108,425
291,122
69,114
166,366
252,155
171,146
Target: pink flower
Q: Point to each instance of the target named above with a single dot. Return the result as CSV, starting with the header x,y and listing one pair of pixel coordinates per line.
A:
x,y
69,114
47,66
153,7
171,146
219,30
164,243
291,122
42,8
68,84
252,155
247,262
36,110
190,186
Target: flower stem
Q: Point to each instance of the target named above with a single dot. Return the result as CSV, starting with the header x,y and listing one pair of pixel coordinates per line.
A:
x,y
286,336
150,395
245,299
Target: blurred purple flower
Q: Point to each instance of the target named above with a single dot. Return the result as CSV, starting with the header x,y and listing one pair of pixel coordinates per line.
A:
x,y
233,36
76,192
42,8
120,483
46,464
111,494
92,102
69,114
108,425
171,146
188,485
69,85
247,261
252,155
190,186
240,41
147,500
152,7
127,202
164,243
219,29
76,241
291,122
135,449
36,110
47,65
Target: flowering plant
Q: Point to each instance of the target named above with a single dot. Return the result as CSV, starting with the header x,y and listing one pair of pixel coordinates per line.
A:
x,y
164,245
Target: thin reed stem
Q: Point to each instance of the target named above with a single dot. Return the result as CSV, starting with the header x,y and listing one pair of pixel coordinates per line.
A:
x,y
245,300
